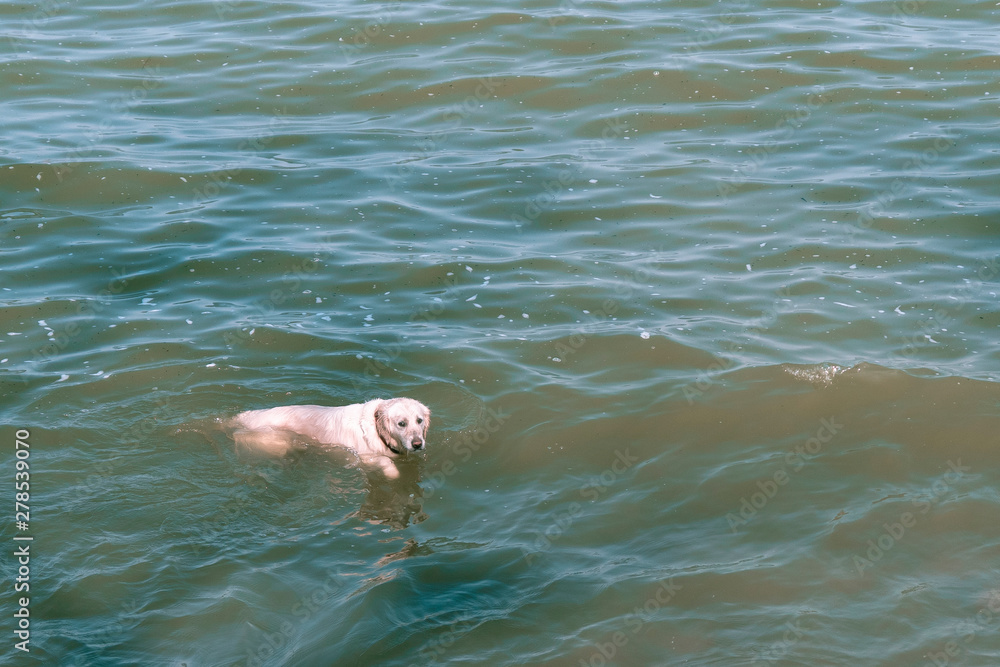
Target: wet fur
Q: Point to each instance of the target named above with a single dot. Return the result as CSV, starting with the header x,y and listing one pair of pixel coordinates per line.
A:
x,y
377,431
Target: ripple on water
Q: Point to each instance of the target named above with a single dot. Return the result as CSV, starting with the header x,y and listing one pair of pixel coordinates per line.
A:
x,y
704,305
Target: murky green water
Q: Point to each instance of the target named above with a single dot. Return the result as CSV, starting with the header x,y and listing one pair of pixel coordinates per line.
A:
x,y
703,298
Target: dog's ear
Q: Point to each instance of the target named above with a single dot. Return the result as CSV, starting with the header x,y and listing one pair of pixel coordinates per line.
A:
x,y
382,426
427,422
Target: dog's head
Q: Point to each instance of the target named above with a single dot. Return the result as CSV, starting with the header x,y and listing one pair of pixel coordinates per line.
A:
x,y
402,424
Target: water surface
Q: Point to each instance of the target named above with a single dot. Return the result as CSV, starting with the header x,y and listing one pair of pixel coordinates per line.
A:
x,y
703,299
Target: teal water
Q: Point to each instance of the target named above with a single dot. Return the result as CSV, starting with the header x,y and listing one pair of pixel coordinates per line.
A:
x,y
703,299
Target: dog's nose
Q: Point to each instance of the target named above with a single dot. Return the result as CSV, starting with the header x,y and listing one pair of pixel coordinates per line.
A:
x,y
417,444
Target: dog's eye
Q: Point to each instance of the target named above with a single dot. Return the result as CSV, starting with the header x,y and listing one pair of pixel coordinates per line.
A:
x,y
419,420
402,423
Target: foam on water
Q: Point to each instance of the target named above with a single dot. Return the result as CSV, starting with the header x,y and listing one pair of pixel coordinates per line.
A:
x,y
821,375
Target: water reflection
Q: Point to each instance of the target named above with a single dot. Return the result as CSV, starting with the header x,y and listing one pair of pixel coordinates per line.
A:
x,y
393,503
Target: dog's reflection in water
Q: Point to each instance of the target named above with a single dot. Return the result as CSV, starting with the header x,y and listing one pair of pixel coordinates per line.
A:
x,y
393,502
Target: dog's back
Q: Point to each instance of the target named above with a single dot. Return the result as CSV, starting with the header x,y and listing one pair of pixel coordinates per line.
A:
x,y
326,425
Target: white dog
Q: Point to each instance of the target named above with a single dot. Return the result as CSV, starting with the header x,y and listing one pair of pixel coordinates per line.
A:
x,y
377,431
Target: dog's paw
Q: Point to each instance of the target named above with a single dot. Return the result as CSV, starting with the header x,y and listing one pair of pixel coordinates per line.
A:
x,y
384,464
